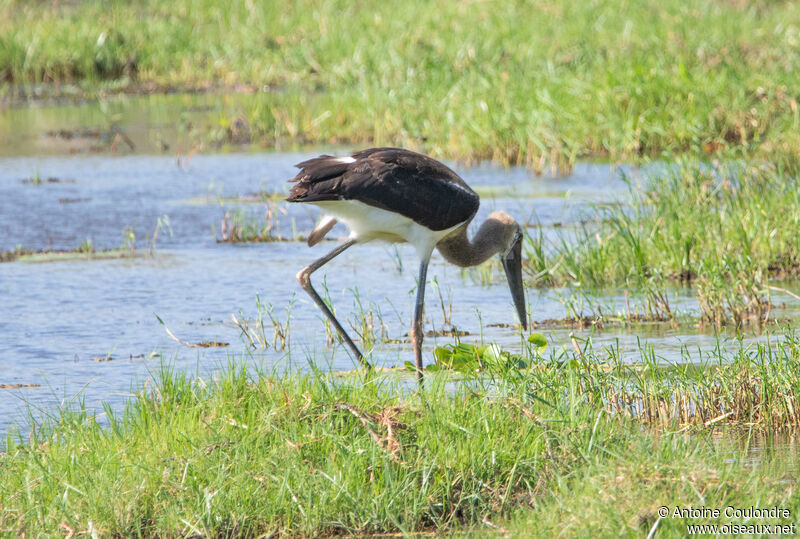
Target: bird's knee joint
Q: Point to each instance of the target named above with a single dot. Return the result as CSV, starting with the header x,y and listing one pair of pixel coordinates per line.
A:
x,y
417,334
304,277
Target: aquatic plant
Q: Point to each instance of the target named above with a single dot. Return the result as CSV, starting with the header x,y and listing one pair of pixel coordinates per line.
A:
x,y
723,229
485,359
240,226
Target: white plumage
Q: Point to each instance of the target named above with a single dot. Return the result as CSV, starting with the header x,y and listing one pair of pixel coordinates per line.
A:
x,y
367,223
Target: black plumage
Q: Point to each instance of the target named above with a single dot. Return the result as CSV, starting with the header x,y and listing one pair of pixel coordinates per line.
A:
x,y
393,179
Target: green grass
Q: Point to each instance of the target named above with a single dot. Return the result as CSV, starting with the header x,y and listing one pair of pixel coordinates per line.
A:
x,y
726,230
85,251
619,494
317,454
581,443
538,84
240,226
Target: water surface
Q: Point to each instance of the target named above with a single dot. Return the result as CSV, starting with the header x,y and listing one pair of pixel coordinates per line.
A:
x,y
89,329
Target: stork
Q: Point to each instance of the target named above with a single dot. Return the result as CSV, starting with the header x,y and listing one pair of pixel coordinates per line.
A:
x,y
399,196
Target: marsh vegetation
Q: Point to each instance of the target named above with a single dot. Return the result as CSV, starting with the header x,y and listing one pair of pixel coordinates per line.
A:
x,y
541,85
320,454
663,365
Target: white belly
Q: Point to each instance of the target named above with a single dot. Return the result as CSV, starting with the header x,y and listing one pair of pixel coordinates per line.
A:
x,y
367,223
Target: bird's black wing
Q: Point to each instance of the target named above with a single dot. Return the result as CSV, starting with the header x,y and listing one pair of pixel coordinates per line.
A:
x,y
400,181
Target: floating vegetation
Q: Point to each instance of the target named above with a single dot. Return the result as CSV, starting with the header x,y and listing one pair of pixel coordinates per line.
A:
x,y
87,250
66,200
212,344
257,197
109,357
84,252
201,344
238,226
234,131
479,360
601,321
451,331
18,386
38,180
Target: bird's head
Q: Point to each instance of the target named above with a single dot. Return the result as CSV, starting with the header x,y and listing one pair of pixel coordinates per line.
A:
x,y
511,257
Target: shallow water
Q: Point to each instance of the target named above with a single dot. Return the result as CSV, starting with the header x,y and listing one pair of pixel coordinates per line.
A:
x,y
57,318
171,124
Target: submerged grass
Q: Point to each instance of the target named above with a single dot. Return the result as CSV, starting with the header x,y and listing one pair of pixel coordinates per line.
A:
x,y
312,455
238,226
86,250
538,84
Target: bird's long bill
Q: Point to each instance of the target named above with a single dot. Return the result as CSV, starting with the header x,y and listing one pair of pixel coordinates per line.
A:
x,y
512,263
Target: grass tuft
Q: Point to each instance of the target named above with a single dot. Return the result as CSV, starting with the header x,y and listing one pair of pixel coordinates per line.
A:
x,y
723,229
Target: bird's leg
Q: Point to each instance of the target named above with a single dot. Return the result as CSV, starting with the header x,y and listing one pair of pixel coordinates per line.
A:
x,y
417,332
304,278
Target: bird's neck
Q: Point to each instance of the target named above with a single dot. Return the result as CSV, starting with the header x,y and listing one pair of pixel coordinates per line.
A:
x,y
458,249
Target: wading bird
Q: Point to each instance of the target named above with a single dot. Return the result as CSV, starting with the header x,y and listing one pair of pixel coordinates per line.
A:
x,y
398,195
